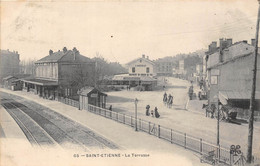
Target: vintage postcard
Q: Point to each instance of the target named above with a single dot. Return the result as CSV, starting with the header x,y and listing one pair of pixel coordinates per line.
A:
x,y
124,82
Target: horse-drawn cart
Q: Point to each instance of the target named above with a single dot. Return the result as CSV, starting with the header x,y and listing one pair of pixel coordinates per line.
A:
x,y
224,113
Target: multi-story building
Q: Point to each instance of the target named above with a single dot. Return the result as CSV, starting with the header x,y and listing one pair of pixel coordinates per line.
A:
x,y
61,73
181,71
164,67
229,69
9,63
140,74
142,67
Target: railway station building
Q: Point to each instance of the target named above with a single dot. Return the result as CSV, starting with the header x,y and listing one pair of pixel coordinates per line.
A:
x,y
60,74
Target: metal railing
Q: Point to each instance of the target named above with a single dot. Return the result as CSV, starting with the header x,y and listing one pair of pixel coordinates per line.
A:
x,y
194,144
68,101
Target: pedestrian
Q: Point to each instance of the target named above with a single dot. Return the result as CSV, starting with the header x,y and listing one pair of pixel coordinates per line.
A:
x,y
156,113
169,98
201,83
147,110
152,113
110,108
191,92
170,102
165,98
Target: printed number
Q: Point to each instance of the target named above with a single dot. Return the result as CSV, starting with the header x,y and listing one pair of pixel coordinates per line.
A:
x,y
76,155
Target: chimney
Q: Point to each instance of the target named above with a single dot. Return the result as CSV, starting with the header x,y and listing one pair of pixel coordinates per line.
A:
x,y
65,49
229,42
143,56
253,42
213,46
50,52
221,43
221,48
75,52
224,43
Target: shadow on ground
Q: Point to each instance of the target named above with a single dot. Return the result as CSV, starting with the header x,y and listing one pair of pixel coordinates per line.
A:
x,y
176,87
116,99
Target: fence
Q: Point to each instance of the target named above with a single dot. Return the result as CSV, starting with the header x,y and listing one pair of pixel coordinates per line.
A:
x,y
68,101
197,145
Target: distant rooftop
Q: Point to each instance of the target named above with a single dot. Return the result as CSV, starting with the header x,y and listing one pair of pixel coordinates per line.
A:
x,y
8,52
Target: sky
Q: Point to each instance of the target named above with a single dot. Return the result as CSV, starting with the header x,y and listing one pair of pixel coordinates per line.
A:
x,y
121,31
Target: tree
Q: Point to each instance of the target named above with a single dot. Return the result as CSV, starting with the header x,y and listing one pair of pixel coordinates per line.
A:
x,y
27,66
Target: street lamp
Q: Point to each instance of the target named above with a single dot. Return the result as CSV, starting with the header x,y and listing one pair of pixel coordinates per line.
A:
x,y
217,99
136,101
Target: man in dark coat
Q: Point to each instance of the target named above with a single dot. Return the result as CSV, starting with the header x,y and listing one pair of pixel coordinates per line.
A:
x,y
165,97
147,110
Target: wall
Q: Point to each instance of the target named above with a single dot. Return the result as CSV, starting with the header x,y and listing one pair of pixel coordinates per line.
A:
x,y
213,59
46,71
236,75
237,49
140,68
75,76
164,68
9,63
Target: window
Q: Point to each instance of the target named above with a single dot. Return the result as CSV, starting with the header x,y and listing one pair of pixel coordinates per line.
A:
x,y
133,69
147,70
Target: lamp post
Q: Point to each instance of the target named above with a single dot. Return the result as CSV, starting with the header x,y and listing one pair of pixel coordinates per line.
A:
x,y
136,101
216,99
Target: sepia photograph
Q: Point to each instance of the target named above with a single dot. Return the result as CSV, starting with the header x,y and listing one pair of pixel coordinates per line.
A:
x,y
129,83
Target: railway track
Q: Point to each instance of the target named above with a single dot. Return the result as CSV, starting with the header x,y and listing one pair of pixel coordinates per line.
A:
x,y
34,133
43,126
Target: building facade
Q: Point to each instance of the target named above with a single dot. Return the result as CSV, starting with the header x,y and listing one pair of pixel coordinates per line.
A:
x,y
61,74
140,77
142,67
9,63
164,67
230,74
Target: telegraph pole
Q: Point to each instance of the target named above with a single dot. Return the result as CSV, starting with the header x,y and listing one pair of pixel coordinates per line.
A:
x,y
252,100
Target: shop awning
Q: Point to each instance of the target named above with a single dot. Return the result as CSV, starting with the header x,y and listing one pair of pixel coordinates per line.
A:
x,y
224,96
126,77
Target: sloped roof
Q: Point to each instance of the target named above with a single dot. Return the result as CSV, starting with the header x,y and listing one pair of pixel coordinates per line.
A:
x,y
8,52
52,58
17,76
87,91
68,56
144,59
9,77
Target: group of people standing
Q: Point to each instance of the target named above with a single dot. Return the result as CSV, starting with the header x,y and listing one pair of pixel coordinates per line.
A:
x,y
154,113
168,100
